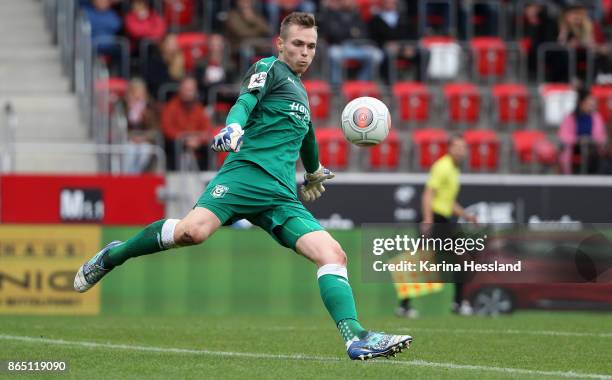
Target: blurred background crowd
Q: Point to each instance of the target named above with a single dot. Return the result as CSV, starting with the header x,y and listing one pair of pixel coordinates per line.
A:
x,y
528,83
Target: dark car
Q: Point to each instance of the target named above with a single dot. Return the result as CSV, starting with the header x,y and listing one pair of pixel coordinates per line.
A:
x,y
561,270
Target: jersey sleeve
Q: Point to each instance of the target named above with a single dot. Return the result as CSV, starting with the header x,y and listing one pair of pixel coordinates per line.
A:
x,y
309,152
258,79
240,111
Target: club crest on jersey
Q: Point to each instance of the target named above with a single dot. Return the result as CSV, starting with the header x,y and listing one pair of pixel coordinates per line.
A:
x,y
219,191
257,80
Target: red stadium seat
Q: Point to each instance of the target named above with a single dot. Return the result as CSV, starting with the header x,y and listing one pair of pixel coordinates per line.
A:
x,y
367,8
116,88
429,145
483,147
333,147
413,99
511,102
603,95
319,97
463,102
532,146
194,46
489,57
355,88
218,157
179,12
386,155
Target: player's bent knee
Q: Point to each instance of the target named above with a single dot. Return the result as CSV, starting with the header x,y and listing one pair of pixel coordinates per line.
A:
x,y
196,227
192,233
339,255
197,234
333,254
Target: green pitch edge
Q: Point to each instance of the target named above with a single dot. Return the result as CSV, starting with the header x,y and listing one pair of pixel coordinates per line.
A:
x,y
239,272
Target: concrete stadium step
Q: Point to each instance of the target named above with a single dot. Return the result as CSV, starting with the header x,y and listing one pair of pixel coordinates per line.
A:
x,y
32,80
41,103
55,163
30,77
66,117
21,28
17,6
51,133
31,71
50,87
45,53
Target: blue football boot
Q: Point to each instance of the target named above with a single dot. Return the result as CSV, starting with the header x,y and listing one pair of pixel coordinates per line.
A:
x,y
92,271
377,344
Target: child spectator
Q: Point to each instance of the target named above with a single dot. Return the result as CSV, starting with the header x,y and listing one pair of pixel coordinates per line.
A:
x,y
142,127
582,129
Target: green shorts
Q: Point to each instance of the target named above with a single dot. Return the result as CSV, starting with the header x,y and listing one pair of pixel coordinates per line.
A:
x,y
243,190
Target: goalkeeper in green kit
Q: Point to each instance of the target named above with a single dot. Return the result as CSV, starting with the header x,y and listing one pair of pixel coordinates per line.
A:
x,y
267,130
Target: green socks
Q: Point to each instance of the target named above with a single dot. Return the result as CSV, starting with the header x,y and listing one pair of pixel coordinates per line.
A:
x,y
338,299
156,237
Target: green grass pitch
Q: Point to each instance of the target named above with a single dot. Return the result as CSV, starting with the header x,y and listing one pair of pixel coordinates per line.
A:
x,y
523,346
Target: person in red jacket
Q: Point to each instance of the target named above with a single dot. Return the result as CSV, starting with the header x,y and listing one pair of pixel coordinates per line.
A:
x,y
185,122
142,22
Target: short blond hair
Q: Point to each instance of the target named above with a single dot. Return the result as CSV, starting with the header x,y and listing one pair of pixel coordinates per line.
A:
x,y
305,20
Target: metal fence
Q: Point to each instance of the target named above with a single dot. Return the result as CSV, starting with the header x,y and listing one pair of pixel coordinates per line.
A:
x,y
88,75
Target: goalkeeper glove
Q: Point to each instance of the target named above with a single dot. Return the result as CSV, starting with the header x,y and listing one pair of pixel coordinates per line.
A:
x,y
229,139
312,188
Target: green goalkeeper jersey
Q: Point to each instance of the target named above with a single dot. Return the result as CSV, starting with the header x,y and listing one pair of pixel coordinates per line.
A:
x,y
279,125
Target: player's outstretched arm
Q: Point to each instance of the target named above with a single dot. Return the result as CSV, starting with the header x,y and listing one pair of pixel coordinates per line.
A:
x,y
229,139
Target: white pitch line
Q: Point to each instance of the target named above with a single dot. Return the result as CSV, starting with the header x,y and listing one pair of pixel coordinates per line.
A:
x,y
470,331
253,355
510,332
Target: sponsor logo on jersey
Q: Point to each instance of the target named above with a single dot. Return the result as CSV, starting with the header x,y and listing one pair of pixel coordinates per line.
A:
x,y
219,191
299,111
258,80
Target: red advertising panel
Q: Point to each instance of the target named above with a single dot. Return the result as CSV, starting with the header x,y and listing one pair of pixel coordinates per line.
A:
x,y
119,200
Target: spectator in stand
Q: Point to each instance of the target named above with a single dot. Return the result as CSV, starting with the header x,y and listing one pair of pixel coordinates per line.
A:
x,y
142,127
142,22
582,129
578,31
606,12
105,26
340,24
165,64
538,28
185,120
243,22
277,10
181,13
390,28
214,69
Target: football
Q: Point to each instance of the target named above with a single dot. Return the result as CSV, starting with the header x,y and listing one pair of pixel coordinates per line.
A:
x,y
366,121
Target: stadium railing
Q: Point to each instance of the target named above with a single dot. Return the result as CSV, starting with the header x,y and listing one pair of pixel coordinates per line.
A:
x,y
110,156
7,138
